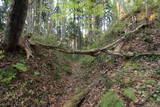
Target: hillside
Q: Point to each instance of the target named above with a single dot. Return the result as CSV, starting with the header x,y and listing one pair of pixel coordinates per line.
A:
x,y
127,74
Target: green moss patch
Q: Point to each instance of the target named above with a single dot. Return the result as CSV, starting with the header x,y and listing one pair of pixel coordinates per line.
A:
x,y
110,99
129,92
20,66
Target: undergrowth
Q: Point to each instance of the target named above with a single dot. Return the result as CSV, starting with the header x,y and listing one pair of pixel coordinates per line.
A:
x,y
7,75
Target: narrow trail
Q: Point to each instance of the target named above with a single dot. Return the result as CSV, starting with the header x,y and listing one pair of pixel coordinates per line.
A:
x,y
77,82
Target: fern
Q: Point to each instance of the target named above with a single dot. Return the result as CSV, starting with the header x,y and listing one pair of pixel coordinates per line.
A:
x,y
7,75
21,67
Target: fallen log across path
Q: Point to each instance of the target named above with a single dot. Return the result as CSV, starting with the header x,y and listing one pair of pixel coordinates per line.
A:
x,y
95,51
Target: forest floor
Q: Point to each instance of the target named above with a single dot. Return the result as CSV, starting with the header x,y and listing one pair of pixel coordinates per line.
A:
x,y
135,81
40,82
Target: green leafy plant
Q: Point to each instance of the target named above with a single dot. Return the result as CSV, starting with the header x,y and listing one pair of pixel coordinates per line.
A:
x,y
20,66
150,81
58,75
67,68
156,96
87,60
148,39
39,101
7,75
2,54
37,73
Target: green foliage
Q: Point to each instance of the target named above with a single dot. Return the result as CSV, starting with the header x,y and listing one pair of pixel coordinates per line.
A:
x,y
67,68
2,54
157,25
131,67
148,38
153,3
11,95
87,60
129,92
117,27
153,57
137,6
7,75
106,81
37,73
156,96
46,39
110,99
20,66
58,16
58,75
150,81
39,101
126,75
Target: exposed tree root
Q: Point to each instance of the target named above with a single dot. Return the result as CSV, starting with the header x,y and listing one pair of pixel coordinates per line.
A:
x,y
25,45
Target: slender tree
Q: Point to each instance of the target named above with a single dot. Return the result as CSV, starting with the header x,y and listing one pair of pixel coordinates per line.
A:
x,y
146,7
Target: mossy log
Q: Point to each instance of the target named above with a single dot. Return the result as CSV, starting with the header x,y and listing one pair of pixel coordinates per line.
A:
x,y
76,100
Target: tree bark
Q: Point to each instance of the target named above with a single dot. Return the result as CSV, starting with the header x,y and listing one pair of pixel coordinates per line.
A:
x,y
15,24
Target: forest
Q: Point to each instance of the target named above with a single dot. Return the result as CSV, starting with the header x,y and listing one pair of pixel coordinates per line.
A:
x,y
79,53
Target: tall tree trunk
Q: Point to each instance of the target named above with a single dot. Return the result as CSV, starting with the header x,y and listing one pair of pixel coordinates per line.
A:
x,y
37,16
30,19
97,24
15,24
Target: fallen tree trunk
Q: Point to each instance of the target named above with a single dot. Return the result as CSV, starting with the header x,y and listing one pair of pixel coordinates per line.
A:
x,y
92,52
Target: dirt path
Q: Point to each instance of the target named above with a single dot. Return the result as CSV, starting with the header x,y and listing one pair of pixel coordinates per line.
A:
x,y
78,81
